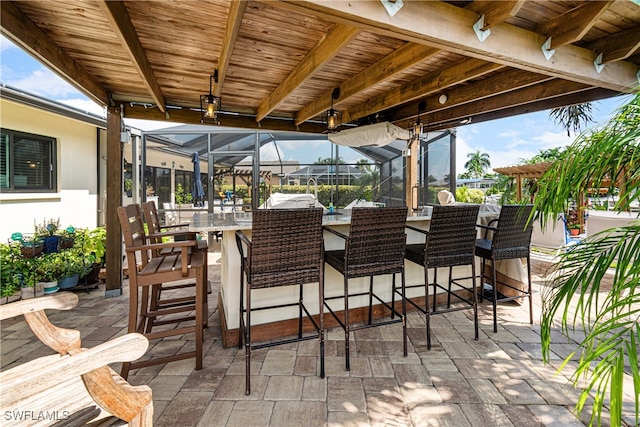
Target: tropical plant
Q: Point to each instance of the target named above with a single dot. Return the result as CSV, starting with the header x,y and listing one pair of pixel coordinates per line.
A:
x,y
182,195
93,244
573,117
609,319
477,164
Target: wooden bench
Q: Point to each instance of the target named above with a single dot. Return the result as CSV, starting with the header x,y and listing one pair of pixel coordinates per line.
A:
x,y
75,386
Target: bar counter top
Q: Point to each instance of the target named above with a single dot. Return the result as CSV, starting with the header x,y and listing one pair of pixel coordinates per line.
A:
x,y
231,221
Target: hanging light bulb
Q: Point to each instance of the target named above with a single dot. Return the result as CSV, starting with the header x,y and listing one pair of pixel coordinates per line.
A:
x,y
332,117
209,103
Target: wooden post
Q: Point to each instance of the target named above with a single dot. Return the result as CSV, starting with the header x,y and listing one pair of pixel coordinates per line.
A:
x,y
412,173
114,199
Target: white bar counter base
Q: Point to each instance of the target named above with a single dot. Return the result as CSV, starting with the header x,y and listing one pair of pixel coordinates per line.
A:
x,y
229,298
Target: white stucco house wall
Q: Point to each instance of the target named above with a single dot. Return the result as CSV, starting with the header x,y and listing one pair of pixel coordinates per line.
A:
x,y
75,177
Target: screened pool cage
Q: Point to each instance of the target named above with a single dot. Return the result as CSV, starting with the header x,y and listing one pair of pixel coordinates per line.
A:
x,y
159,168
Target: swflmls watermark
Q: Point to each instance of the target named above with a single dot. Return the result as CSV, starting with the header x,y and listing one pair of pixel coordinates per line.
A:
x,y
36,415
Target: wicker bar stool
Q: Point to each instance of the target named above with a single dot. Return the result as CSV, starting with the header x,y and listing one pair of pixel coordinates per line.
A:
x,y
511,240
449,243
285,249
375,246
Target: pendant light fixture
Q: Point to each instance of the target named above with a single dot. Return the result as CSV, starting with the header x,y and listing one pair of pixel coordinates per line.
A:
x,y
418,127
209,103
331,117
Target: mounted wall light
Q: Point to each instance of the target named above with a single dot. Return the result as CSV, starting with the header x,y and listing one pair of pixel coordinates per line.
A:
x,y
209,103
331,117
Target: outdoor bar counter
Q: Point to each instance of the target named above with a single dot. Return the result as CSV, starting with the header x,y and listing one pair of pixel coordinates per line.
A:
x,y
280,323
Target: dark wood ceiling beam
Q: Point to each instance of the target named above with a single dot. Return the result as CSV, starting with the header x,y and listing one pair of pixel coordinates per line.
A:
x,y
573,25
489,87
590,95
118,17
448,27
495,12
18,28
236,12
190,116
325,50
618,46
438,80
514,98
408,55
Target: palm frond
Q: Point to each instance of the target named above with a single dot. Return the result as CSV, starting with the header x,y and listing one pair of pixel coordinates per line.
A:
x,y
575,297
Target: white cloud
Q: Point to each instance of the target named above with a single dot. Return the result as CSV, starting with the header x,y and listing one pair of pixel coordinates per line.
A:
x,y
269,152
44,83
6,44
510,133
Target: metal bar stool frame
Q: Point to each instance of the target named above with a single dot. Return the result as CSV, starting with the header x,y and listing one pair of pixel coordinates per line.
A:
x,y
511,240
286,249
449,242
375,246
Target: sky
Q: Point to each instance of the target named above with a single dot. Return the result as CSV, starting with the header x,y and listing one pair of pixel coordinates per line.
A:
x,y
507,141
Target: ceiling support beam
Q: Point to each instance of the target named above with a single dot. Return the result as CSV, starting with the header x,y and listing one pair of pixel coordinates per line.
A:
x,y
236,12
449,27
435,81
401,59
118,16
490,87
618,46
590,95
191,116
495,12
325,50
18,28
514,98
573,25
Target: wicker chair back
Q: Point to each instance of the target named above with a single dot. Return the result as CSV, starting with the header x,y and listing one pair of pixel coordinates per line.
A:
x,y
376,242
452,236
287,247
512,238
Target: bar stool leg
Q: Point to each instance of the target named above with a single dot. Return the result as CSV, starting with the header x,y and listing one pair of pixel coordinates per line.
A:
x,y
346,323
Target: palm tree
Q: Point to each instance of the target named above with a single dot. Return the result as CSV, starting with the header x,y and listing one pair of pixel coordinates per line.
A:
x,y
572,117
477,164
611,323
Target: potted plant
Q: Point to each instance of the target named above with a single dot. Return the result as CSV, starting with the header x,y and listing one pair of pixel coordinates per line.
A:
x,y
92,243
48,269
29,246
574,229
49,232
67,237
10,273
72,265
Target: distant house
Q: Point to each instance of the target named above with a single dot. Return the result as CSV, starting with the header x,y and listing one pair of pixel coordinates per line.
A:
x,y
479,183
326,174
53,164
278,170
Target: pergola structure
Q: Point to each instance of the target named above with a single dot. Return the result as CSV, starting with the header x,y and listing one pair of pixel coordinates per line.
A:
x,y
280,64
533,171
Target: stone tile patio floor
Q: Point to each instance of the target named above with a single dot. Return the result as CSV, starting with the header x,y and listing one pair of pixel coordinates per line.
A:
x,y
499,380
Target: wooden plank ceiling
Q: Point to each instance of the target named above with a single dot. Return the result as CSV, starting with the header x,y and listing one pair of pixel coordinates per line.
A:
x,y
278,62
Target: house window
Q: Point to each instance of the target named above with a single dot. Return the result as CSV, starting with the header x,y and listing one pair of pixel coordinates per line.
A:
x,y
27,162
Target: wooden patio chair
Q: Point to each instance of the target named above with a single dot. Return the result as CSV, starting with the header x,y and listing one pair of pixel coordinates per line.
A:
x,y
450,242
76,386
146,271
157,234
285,249
375,246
